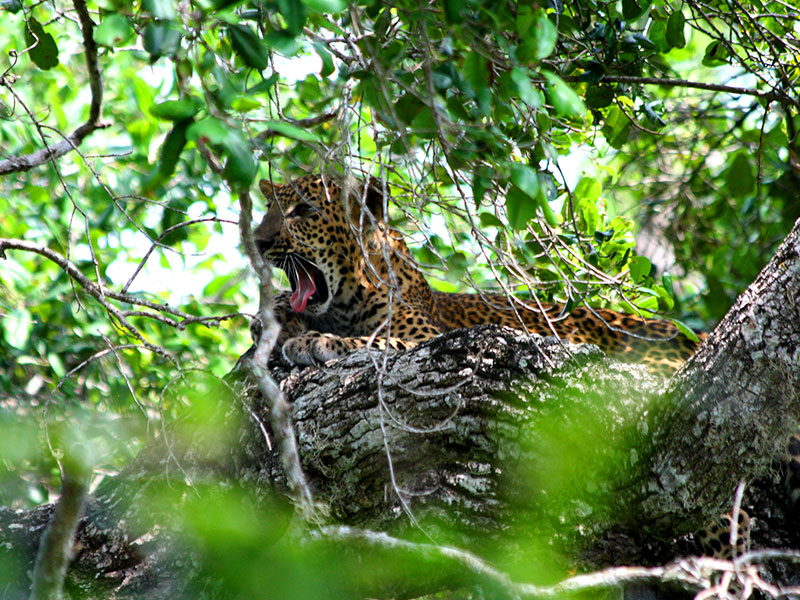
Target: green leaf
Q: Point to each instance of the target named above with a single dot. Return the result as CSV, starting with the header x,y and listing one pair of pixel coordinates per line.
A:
x,y
292,131
44,52
666,280
456,266
543,35
716,54
489,220
209,130
160,9
326,58
113,31
599,96
56,364
589,216
244,104
633,9
160,40
520,208
240,168
740,179
675,27
616,127
171,150
527,93
248,46
452,11
481,182
175,110
408,107
282,42
12,6
686,330
17,326
476,71
658,34
566,102
640,267
264,85
294,13
326,6
550,217
526,179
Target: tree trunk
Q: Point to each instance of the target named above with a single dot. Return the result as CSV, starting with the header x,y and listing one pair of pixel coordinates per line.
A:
x,y
481,438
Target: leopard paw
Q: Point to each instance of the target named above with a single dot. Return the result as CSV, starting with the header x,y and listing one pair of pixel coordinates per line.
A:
x,y
314,348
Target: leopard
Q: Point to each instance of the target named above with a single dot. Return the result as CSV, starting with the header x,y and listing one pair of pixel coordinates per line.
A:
x,y
354,284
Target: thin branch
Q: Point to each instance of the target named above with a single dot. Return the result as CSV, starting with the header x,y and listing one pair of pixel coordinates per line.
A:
x,y
279,408
102,294
689,573
48,153
712,87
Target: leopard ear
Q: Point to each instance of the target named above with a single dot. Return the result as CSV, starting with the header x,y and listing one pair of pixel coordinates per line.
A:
x,y
375,198
268,189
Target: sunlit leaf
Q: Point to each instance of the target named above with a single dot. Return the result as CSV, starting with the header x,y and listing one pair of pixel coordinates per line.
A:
x,y
114,30
527,93
175,110
294,12
565,100
326,6
544,34
640,267
292,131
686,330
210,130
160,9
17,326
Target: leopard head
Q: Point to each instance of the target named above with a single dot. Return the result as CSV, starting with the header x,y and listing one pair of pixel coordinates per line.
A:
x,y
315,230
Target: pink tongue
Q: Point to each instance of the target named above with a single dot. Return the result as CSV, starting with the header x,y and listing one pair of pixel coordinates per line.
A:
x,y
305,289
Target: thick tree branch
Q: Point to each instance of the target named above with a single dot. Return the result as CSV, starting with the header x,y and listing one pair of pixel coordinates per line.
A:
x,y
736,402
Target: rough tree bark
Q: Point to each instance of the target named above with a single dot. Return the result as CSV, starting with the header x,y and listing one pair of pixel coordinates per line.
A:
x,y
458,438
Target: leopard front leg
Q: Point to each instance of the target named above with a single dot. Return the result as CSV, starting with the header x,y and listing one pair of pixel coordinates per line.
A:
x,y
292,324
314,348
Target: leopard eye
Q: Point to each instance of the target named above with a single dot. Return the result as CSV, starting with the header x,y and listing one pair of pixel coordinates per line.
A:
x,y
300,210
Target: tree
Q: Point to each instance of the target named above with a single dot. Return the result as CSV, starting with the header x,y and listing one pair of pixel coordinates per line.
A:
x,y
468,114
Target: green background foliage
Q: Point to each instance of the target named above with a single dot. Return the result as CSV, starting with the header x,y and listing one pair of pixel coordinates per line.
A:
x,y
525,145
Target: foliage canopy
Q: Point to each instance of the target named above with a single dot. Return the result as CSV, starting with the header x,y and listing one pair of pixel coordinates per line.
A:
x,y
526,146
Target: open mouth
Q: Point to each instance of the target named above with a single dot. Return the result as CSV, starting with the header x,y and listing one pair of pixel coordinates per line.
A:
x,y
307,281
